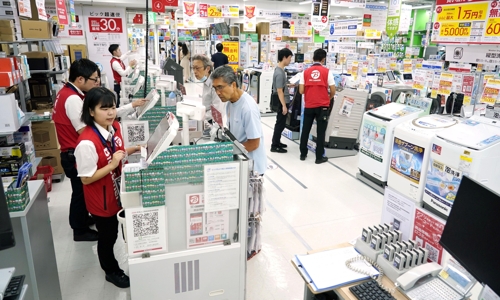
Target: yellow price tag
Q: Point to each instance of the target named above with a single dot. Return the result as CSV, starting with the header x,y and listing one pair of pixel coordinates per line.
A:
x,y
214,12
455,29
463,12
466,158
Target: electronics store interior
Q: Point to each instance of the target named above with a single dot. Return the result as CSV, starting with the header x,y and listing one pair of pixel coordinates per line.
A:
x,y
258,150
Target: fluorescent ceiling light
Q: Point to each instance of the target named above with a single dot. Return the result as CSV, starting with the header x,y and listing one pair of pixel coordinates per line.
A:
x,y
423,6
305,2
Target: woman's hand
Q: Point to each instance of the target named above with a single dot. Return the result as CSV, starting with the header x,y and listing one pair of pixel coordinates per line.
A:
x,y
117,158
139,102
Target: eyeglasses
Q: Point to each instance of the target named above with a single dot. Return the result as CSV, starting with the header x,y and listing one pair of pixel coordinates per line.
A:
x,y
219,88
198,68
97,79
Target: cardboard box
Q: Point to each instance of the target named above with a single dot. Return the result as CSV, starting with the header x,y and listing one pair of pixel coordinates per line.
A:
x,y
42,54
77,52
10,38
9,120
14,150
7,139
36,29
51,157
7,23
8,31
44,136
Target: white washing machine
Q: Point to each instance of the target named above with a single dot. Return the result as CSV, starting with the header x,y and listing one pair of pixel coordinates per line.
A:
x,y
469,148
376,136
411,149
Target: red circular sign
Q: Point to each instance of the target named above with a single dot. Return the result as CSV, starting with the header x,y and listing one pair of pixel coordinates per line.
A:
x,y
436,25
439,9
157,4
324,19
494,4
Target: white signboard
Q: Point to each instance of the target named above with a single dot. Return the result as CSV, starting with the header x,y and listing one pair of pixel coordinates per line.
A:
x,y
399,211
343,48
474,54
105,26
375,16
275,30
268,14
394,8
203,228
366,45
351,3
344,28
405,18
222,186
146,230
319,14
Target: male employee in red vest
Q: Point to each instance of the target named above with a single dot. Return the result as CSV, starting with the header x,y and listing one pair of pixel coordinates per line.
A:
x,y
119,69
66,116
314,84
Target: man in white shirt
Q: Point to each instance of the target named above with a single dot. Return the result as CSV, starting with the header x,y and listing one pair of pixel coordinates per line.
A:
x,y
83,76
119,69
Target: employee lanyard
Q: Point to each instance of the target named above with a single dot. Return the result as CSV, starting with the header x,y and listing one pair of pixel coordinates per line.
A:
x,y
105,142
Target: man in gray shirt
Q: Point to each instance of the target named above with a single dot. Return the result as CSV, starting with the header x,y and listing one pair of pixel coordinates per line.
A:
x,y
280,86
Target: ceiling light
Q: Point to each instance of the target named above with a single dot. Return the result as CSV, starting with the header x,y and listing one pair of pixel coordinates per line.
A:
x,y
305,2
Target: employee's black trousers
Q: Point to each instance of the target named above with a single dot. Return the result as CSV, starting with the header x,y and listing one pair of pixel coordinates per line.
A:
x,y
117,89
321,116
278,127
108,233
78,213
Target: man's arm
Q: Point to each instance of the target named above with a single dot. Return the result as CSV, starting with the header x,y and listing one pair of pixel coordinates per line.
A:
x,y
301,83
251,144
332,91
331,83
118,68
73,107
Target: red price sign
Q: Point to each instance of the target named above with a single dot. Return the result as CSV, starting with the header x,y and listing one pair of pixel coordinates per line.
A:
x,y
106,25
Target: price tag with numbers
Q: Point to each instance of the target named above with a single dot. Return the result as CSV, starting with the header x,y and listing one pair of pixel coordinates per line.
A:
x,y
105,25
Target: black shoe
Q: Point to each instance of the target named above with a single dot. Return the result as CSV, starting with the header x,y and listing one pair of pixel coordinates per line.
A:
x,y
89,236
278,149
322,160
90,221
283,145
303,157
120,279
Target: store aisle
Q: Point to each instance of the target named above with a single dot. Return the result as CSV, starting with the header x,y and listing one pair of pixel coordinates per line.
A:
x,y
309,207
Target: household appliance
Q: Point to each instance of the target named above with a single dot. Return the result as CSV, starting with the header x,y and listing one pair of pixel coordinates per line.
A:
x,y
411,148
260,89
469,148
249,54
377,130
470,232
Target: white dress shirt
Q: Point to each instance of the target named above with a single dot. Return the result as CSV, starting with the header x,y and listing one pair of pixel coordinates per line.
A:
x,y
86,153
118,68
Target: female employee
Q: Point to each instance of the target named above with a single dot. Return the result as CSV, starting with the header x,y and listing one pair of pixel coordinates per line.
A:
x,y
99,154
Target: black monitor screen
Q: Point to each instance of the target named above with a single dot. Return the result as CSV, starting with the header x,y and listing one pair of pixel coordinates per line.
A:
x,y
174,69
299,57
472,230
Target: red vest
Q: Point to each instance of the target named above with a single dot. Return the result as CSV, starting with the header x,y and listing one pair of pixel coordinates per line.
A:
x,y
66,133
101,196
116,76
316,87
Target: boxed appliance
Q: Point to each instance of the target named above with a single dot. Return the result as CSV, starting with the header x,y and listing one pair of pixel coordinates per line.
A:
x,y
411,150
9,118
40,60
36,29
51,157
77,52
44,135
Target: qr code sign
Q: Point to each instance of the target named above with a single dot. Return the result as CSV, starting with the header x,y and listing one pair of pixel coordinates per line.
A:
x,y
145,224
136,133
433,252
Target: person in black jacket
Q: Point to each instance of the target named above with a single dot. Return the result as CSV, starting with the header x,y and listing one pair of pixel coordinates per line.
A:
x,y
219,58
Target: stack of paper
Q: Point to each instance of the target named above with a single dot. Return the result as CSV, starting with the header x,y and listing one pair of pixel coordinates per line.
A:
x,y
327,270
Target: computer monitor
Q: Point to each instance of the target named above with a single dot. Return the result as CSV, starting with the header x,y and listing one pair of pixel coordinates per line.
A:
x,y
299,57
174,69
407,77
7,239
472,230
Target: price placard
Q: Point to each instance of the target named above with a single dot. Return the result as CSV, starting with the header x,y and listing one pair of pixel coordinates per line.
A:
x,y
214,11
105,25
491,92
231,49
445,84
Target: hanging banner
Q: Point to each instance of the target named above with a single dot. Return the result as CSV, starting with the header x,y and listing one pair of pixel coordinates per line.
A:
x,y
230,11
375,17
300,25
474,54
275,30
473,22
319,14
72,12
158,6
40,8
24,7
62,13
214,11
393,17
491,92
405,18
203,7
250,18
231,49
351,3
173,3
427,231
189,14
65,31
344,28
105,26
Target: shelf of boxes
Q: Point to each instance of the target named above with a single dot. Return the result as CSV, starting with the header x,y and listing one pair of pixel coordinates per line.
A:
x,y
23,122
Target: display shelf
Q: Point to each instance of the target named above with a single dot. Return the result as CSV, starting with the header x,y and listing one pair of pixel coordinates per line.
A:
x,y
26,41
34,188
24,121
48,71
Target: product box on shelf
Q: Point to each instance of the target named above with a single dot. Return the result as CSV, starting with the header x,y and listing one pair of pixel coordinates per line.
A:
x,y
44,136
40,60
77,52
11,166
7,23
51,158
6,79
7,139
23,135
9,119
36,29
8,30
40,86
13,150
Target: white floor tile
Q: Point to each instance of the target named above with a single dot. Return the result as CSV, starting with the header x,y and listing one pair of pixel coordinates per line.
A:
x,y
309,207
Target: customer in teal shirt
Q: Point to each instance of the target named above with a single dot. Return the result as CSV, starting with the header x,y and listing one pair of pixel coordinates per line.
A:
x,y
243,116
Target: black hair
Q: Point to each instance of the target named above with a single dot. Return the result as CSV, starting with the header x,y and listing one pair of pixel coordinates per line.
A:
x,y
319,55
284,53
185,49
82,67
97,95
112,48
219,47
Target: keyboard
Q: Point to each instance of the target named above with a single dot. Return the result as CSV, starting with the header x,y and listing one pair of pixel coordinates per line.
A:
x,y
370,290
14,288
435,289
